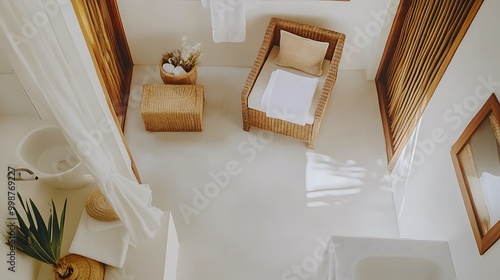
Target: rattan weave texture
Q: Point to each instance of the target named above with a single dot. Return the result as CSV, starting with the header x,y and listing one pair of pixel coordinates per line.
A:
x,y
307,133
172,107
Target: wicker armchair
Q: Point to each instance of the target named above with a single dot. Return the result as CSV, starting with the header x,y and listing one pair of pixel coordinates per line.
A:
x,y
256,118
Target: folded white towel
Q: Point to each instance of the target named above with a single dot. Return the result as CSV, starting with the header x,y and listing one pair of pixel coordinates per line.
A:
x,y
228,19
106,242
289,96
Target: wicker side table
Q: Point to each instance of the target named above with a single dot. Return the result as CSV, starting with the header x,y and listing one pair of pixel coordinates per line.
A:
x,y
172,107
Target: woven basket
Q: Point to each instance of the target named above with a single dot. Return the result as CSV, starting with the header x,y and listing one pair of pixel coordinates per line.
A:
x,y
172,107
186,79
99,207
80,267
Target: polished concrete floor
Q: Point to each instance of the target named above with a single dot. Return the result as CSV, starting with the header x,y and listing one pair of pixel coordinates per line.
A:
x,y
239,199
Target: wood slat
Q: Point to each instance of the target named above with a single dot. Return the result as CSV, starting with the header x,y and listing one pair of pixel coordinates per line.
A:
x,y
409,69
105,55
412,81
108,48
417,33
425,40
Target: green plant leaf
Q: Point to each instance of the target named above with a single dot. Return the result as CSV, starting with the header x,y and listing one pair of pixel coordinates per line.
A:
x,y
23,245
21,200
55,238
31,221
63,218
37,239
22,225
37,247
41,234
49,228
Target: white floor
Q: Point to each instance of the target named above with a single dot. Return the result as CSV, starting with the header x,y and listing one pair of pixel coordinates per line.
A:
x,y
261,225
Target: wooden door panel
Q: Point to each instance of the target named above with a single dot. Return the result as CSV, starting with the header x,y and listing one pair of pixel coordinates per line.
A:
x,y
103,31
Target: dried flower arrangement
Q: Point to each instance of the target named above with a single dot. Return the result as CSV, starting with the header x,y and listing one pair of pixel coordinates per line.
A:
x,y
186,58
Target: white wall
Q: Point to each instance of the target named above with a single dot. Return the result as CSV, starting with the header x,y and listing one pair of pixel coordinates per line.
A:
x,y
433,206
153,27
5,67
13,98
18,97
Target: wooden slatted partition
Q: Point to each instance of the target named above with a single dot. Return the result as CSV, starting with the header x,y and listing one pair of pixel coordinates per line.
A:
x,y
423,39
106,40
105,37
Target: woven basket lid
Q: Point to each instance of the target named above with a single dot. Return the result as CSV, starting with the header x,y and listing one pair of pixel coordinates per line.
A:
x,y
99,207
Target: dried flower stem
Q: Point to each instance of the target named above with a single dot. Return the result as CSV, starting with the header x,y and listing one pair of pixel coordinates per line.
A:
x,y
187,57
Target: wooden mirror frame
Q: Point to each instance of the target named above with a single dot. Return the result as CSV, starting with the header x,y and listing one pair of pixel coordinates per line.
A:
x,y
485,234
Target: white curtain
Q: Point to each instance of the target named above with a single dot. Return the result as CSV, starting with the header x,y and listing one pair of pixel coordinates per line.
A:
x,y
27,26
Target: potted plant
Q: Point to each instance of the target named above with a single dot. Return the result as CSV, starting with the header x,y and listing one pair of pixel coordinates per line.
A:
x,y
42,241
180,66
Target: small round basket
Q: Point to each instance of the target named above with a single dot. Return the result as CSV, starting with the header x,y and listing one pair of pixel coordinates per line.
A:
x,y
99,207
185,79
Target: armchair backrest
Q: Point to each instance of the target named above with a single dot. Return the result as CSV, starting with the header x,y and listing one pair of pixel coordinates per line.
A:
x,y
306,31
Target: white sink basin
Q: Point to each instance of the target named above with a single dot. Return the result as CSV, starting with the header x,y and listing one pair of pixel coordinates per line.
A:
x,y
46,152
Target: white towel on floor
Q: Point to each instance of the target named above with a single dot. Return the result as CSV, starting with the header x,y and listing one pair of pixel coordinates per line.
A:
x,y
106,242
228,19
289,96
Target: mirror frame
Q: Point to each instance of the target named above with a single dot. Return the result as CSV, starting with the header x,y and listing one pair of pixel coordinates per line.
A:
x,y
483,240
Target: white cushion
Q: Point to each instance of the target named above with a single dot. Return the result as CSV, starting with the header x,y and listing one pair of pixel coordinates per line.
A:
x,y
301,53
255,97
